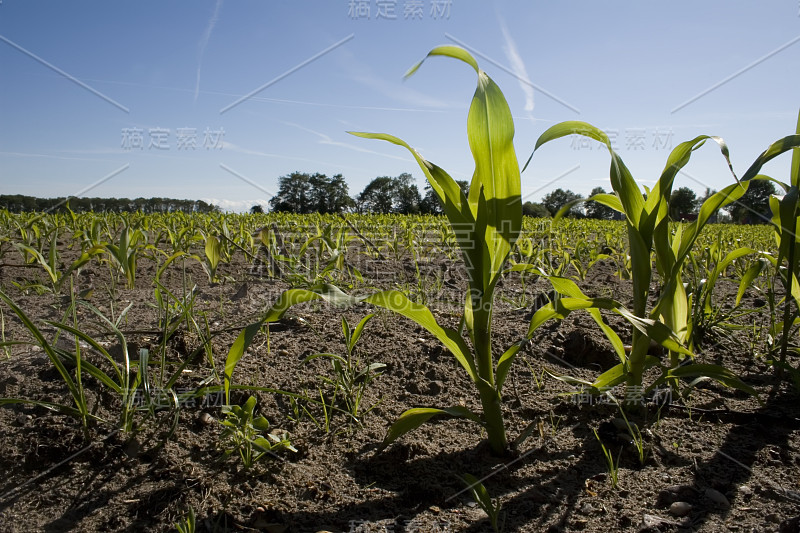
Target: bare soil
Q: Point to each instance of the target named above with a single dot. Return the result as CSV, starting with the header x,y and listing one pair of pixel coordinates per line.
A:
x,y
735,462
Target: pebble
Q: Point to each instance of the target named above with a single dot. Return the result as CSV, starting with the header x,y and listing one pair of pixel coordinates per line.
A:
x,y
717,497
745,490
282,352
206,418
680,509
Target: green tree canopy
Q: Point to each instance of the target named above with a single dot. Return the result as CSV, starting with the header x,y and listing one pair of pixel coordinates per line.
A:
x,y
390,195
682,202
532,209
300,192
557,199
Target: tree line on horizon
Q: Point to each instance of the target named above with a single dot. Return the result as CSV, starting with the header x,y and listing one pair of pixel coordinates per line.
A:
x,y
19,203
303,193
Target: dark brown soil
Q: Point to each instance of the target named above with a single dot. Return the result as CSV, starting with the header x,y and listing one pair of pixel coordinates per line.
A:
x,y
734,461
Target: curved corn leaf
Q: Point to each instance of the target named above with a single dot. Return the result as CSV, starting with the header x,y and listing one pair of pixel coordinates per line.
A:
x,y
773,150
609,200
715,372
414,418
752,272
399,303
286,300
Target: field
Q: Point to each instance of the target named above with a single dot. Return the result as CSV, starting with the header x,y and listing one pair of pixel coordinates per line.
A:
x,y
126,336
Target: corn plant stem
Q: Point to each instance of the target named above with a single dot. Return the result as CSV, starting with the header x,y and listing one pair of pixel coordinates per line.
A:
x,y
787,307
490,399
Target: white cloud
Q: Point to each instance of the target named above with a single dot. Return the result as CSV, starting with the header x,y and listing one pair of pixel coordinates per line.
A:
x,y
201,47
518,66
237,206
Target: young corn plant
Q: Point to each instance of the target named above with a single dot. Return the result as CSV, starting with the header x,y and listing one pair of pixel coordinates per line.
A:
x,y
486,222
351,378
484,500
125,252
244,433
649,234
51,262
786,223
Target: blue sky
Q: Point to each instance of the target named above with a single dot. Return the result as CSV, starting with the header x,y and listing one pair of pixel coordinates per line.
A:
x,y
81,82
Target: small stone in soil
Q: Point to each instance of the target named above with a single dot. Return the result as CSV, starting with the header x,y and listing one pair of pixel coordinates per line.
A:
x,y
717,497
680,509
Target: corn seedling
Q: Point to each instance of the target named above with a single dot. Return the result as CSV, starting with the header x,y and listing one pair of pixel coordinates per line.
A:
x,y
51,262
613,466
351,378
125,252
187,523
244,433
484,500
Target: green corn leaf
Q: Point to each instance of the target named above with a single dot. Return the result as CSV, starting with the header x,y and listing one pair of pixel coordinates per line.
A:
x,y
213,251
617,374
773,150
752,272
715,372
399,303
414,418
454,203
63,409
479,492
358,331
609,200
449,51
655,331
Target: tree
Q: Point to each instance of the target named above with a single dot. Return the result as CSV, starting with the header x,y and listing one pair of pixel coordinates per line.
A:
x,y
294,194
256,210
377,196
329,195
682,202
406,194
316,193
753,206
596,209
531,209
390,195
557,199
